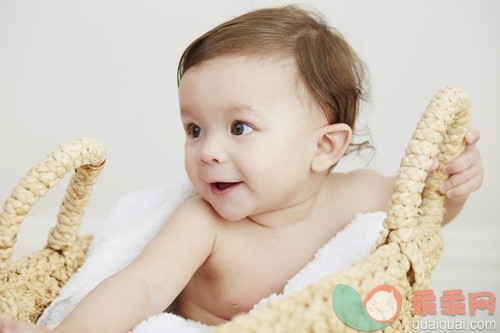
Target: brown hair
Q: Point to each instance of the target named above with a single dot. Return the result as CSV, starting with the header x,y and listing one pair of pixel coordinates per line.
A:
x,y
331,72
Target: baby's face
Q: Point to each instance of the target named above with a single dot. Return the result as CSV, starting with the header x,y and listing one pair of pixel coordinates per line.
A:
x,y
382,306
250,138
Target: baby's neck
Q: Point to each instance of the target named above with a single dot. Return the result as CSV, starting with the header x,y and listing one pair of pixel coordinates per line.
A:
x,y
299,213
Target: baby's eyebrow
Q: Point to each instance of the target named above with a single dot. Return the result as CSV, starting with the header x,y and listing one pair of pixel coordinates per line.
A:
x,y
184,112
240,108
231,109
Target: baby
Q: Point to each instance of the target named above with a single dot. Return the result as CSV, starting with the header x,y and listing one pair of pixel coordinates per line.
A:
x,y
268,101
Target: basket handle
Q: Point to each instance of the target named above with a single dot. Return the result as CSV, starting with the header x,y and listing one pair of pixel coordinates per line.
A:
x,y
440,133
86,156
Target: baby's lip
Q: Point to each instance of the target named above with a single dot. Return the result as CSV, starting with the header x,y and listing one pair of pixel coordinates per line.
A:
x,y
224,185
219,188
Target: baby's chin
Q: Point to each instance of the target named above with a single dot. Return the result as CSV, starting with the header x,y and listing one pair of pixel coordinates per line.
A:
x,y
228,212
231,215
227,208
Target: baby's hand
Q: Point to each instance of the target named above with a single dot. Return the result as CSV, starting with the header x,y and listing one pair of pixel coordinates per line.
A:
x,y
466,171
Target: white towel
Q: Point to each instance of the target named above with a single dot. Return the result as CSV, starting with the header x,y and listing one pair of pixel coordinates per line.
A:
x,y
138,216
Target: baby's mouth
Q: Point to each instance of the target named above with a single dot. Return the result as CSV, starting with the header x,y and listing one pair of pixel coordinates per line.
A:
x,y
219,188
224,185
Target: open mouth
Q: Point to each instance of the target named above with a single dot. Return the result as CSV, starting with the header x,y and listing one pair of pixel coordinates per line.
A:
x,y
223,187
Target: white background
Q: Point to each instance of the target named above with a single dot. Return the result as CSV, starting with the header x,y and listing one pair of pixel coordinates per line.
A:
x,y
107,69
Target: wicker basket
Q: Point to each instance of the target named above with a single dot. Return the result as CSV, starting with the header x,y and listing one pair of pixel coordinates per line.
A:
x,y
30,284
403,257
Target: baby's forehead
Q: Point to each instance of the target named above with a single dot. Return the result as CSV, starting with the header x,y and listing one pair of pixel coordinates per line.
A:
x,y
283,65
278,63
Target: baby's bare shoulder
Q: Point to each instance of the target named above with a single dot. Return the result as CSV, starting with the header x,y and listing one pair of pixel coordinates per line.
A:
x,y
197,216
361,178
197,210
368,190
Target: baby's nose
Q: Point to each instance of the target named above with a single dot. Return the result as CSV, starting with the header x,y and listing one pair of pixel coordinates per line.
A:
x,y
212,152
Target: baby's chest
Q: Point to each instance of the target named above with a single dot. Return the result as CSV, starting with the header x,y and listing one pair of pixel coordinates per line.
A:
x,y
249,273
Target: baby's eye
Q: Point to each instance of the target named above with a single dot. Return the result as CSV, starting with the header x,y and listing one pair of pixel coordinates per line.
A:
x,y
194,131
240,128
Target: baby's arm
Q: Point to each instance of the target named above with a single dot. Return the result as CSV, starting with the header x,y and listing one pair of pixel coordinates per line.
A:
x,y
150,283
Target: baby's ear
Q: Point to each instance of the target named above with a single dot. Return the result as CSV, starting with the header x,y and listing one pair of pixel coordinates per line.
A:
x,y
333,141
